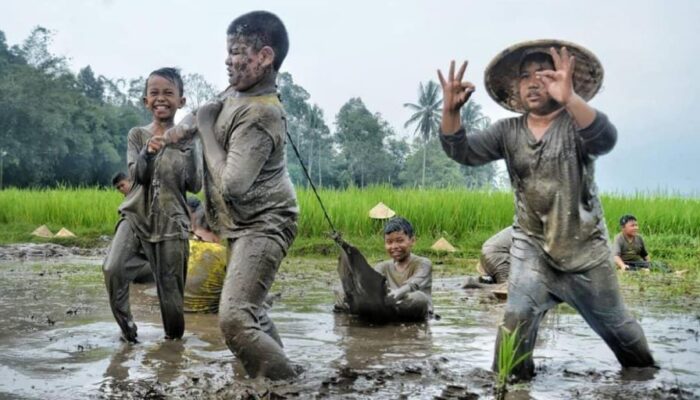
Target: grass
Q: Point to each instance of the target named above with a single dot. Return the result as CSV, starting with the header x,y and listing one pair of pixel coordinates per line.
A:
x,y
670,225
507,359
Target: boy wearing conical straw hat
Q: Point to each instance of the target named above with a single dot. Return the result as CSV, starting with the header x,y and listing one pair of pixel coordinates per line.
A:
x,y
559,251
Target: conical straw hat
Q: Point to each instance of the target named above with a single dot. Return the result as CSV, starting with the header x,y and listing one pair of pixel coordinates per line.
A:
x,y
381,211
443,245
64,233
42,231
501,75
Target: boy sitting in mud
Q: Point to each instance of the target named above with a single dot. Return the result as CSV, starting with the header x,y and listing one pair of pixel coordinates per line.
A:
x,y
409,278
560,250
250,199
628,247
154,220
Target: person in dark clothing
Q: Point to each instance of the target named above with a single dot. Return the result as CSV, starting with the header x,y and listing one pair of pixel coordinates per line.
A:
x,y
154,217
560,249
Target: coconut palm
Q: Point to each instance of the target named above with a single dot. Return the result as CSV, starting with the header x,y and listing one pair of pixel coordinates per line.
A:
x,y
472,117
426,115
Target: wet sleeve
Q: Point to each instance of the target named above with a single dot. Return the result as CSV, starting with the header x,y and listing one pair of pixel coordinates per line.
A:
x,y
194,167
422,277
381,268
476,148
139,162
249,147
599,137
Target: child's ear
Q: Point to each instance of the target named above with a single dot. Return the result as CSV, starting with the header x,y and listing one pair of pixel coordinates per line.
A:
x,y
145,101
268,55
183,101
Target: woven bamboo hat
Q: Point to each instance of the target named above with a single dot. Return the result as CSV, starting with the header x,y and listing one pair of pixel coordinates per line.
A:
x,y
501,76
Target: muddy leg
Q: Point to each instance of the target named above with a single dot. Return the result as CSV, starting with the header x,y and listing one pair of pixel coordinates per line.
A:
x,y
528,302
120,267
169,260
596,295
252,265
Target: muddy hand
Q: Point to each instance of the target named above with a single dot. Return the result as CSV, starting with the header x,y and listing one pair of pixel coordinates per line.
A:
x,y
154,144
455,92
206,116
179,133
559,83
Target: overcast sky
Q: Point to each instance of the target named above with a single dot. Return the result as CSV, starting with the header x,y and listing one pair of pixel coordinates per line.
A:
x,y
381,50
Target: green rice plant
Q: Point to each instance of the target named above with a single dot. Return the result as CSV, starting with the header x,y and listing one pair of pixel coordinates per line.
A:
x,y
507,359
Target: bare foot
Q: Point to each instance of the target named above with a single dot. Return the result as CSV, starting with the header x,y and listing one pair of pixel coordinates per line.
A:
x,y
206,116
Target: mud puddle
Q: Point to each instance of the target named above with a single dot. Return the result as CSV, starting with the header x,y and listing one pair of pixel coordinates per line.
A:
x,y
58,340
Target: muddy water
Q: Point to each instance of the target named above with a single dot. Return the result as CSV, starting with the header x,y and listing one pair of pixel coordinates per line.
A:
x,y
58,340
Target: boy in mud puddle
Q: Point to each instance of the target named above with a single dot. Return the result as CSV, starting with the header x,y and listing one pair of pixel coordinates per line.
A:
x,y
154,219
559,251
250,200
409,277
629,251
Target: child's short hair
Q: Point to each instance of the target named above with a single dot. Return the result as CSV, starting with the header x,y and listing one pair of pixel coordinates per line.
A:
x,y
171,74
536,57
399,224
118,177
262,28
626,218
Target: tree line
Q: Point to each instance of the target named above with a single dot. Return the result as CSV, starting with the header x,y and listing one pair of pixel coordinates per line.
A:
x,y
63,128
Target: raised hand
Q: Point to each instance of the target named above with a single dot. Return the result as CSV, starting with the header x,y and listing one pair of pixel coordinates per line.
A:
x,y
155,143
455,93
559,83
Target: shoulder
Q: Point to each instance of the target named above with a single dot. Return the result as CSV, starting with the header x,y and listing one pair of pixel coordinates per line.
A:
x,y
422,260
384,265
264,108
618,238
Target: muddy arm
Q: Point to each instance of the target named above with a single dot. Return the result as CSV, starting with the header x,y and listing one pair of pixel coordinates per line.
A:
x,y
138,160
422,278
476,148
599,137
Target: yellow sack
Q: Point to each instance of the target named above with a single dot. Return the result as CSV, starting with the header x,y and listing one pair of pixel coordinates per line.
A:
x,y
206,270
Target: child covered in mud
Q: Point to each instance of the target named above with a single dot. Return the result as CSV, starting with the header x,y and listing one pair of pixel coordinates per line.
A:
x,y
154,219
409,277
559,251
250,199
407,293
629,251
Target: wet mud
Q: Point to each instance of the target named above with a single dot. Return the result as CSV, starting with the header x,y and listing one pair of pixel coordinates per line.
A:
x,y
58,340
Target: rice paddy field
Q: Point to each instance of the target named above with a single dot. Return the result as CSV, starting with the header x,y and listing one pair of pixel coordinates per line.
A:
x,y
670,225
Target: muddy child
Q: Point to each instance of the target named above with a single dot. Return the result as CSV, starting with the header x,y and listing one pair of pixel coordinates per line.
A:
x,y
250,200
629,251
154,223
559,251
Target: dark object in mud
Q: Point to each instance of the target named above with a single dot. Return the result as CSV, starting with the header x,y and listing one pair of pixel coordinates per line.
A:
x,y
365,289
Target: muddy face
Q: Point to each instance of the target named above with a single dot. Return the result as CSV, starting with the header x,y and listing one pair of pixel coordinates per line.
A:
x,y
398,245
533,94
163,98
245,65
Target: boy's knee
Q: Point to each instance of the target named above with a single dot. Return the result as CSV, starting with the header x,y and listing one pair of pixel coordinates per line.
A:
x,y
236,319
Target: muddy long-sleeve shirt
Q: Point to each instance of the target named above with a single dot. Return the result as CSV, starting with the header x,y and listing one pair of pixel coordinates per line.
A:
x,y
156,205
556,202
247,186
418,275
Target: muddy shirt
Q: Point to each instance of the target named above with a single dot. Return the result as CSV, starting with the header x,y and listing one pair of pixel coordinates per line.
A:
x,y
556,202
418,275
250,191
156,205
629,250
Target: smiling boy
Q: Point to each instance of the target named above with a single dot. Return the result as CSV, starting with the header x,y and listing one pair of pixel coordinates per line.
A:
x,y
154,217
559,251
409,277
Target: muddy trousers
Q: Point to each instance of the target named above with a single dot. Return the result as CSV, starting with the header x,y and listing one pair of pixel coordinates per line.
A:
x,y
535,287
168,260
252,264
414,307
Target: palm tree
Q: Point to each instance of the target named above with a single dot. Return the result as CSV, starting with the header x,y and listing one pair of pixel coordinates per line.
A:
x,y
472,118
426,116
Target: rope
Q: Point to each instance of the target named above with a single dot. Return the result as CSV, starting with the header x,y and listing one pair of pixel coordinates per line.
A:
x,y
335,233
